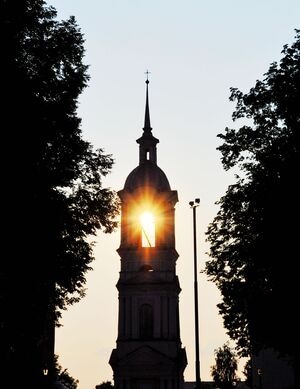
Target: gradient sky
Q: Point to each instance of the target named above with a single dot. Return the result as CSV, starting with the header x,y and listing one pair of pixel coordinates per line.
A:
x,y
195,50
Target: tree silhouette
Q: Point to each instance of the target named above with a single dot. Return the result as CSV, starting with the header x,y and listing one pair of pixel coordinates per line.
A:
x,y
63,376
248,373
105,385
52,184
224,370
254,237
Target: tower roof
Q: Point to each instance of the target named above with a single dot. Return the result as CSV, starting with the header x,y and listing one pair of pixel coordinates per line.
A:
x,y
147,126
147,173
147,141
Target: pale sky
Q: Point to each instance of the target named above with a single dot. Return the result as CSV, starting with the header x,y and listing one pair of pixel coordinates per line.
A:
x,y
195,50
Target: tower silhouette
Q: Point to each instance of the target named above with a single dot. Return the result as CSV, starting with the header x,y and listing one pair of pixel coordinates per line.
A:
x,y
148,354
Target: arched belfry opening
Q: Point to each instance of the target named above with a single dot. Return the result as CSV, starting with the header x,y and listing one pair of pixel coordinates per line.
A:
x,y
148,352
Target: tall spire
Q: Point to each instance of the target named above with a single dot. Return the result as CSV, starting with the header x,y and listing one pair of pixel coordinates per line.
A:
x,y
147,126
147,141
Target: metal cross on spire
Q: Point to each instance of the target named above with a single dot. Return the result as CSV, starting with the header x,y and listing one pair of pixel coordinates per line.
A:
x,y
147,74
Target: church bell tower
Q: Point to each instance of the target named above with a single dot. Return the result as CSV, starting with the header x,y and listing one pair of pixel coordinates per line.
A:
x,y
148,354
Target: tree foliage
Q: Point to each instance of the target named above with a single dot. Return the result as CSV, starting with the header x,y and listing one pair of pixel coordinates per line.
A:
x,y
105,385
53,192
248,373
254,237
64,377
224,370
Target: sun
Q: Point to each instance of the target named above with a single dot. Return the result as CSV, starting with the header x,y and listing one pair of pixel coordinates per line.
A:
x,y
147,219
148,229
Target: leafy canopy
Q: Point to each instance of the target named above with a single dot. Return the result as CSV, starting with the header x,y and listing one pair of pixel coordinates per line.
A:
x,y
59,178
254,239
105,385
224,370
64,377
52,179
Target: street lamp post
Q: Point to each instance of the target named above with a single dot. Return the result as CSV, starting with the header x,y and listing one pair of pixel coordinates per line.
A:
x,y
194,204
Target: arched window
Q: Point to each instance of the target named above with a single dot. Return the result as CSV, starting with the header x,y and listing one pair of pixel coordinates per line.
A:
x,y
146,321
148,229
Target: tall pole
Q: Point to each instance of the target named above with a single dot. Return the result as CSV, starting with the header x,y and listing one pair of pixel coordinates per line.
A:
x,y
194,205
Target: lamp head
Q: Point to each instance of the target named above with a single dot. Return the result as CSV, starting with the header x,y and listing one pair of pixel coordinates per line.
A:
x,y
191,203
197,201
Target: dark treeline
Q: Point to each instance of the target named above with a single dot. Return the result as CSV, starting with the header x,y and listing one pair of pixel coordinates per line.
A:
x,y
254,237
53,197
